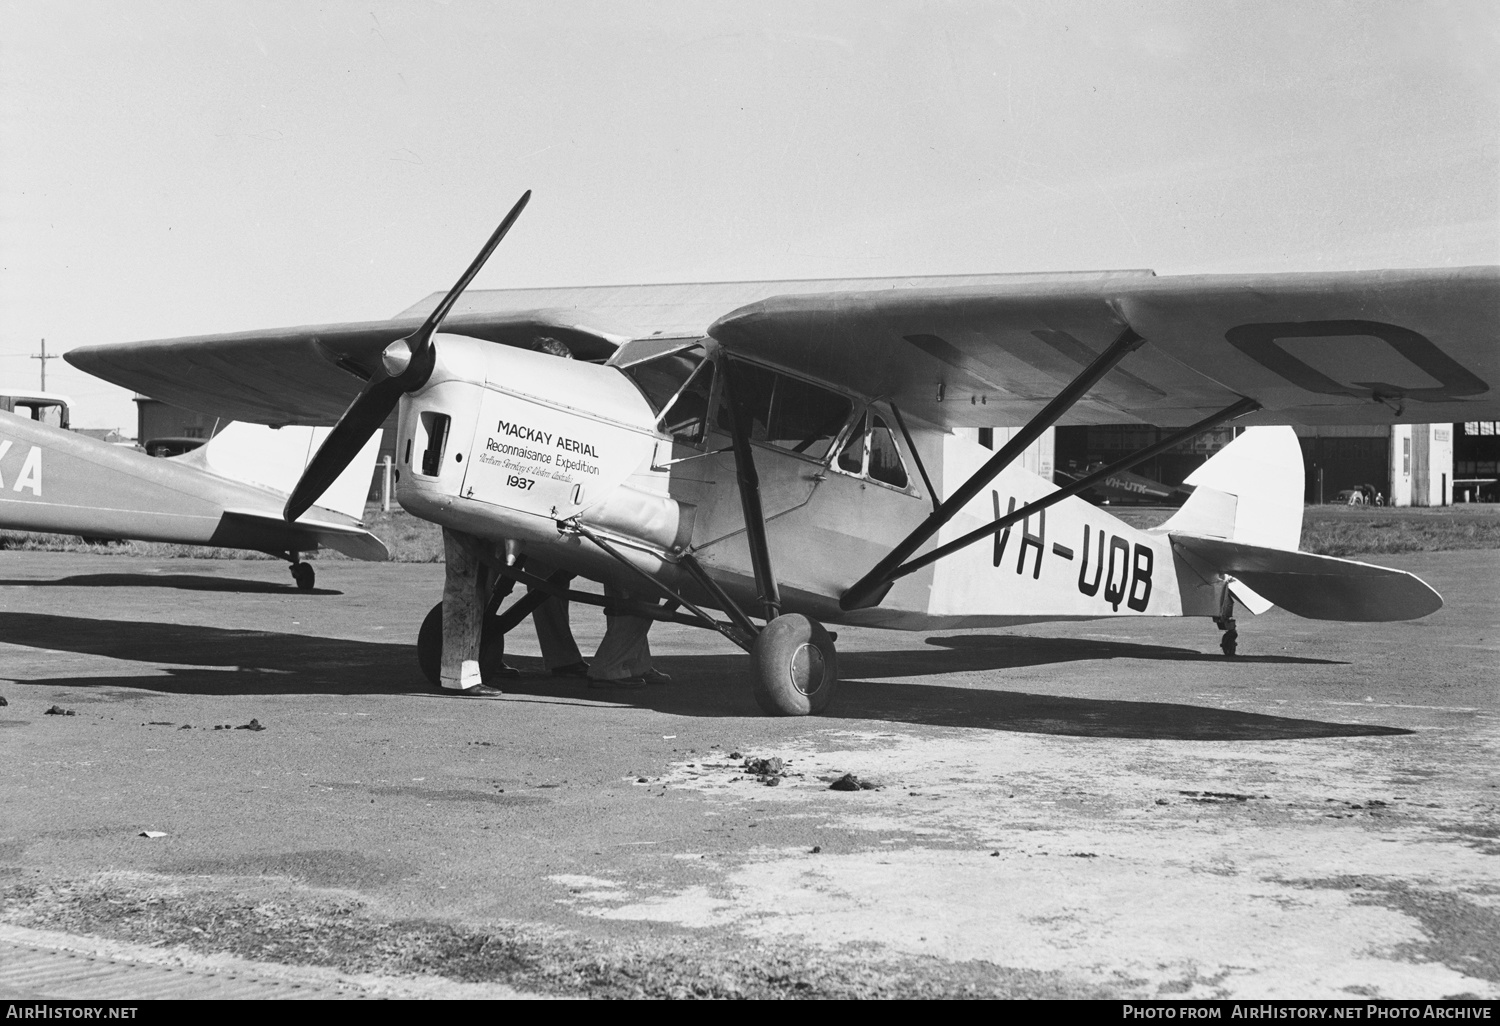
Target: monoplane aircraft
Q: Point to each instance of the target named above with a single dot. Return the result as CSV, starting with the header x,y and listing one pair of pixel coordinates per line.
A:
x,y
228,492
794,453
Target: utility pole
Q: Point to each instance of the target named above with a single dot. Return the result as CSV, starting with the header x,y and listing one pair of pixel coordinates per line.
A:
x,y
44,358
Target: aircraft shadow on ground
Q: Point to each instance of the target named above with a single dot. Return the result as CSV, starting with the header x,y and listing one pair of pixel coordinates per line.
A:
x,y
218,661
185,582
865,695
997,651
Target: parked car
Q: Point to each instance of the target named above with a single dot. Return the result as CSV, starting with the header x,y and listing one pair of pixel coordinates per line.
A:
x,y
1364,495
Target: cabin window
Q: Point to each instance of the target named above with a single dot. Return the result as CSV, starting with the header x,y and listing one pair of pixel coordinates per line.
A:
x,y
677,386
787,413
660,379
885,458
686,415
806,418
871,451
753,387
852,457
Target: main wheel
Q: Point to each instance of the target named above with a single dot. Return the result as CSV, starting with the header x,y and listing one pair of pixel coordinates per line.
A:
x,y
794,666
304,575
430,649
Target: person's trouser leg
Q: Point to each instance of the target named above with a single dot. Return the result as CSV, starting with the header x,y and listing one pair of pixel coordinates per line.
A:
x,y
624,652
553,631
463,610
555,634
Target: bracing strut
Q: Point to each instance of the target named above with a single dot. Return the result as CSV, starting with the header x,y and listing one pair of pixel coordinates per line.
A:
x,y
870,588
1239,409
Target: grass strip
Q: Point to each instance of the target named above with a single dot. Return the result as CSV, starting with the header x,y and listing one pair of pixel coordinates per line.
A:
x,y
339,932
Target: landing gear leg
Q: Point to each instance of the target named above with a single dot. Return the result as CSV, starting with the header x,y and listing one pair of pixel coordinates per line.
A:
x,y
792,661
794,666
1225,622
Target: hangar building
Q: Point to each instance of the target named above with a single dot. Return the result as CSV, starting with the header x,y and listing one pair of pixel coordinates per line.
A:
x,y
1407,464
1476,462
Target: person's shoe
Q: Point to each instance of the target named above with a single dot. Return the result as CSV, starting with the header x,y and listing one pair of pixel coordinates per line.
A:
x,y
492,668
477,691
571,670
656,677
622,683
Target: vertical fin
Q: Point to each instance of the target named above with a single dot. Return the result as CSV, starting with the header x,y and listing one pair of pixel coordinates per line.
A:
x,y
1250,492
274,458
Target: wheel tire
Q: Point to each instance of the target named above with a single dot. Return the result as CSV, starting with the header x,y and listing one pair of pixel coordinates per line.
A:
x,y
1229,643
304,575
430,649
794,667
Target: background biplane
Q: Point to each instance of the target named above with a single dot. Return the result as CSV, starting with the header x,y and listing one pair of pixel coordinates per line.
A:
x,y
796,453
228,492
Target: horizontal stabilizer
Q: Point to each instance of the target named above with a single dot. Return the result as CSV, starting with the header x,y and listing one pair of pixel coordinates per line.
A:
x,y
1317,587
354,542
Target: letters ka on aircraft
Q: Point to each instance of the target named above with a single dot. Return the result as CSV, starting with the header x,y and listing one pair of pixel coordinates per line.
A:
x,y
791,453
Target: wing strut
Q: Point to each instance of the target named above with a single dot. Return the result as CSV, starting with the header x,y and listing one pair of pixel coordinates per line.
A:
x,y
912,448
1239,409
545,587
871,588
733,631
749,482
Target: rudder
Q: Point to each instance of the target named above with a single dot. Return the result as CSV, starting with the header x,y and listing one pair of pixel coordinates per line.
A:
x,y
1250,492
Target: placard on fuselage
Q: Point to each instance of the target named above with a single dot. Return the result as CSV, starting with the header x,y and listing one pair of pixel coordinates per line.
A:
x,y
549,462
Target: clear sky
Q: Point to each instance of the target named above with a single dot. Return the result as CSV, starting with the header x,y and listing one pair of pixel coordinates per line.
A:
x,y
171,168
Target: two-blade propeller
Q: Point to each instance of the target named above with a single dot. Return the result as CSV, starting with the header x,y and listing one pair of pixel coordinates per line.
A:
x,y
405,367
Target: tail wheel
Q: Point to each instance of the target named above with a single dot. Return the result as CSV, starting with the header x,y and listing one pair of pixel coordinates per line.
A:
x,y
1229,643
430,649
794,667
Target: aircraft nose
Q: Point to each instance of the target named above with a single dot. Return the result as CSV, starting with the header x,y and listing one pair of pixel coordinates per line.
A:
x,y
396,357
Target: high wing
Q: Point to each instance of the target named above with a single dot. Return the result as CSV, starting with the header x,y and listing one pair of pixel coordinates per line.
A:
x,y
305,375
980,350
1315,349
309,375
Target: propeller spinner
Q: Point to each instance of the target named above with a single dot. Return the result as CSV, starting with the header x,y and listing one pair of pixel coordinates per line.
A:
x,y
406,365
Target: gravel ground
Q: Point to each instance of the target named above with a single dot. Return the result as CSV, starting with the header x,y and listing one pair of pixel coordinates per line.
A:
x,y
1087,809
